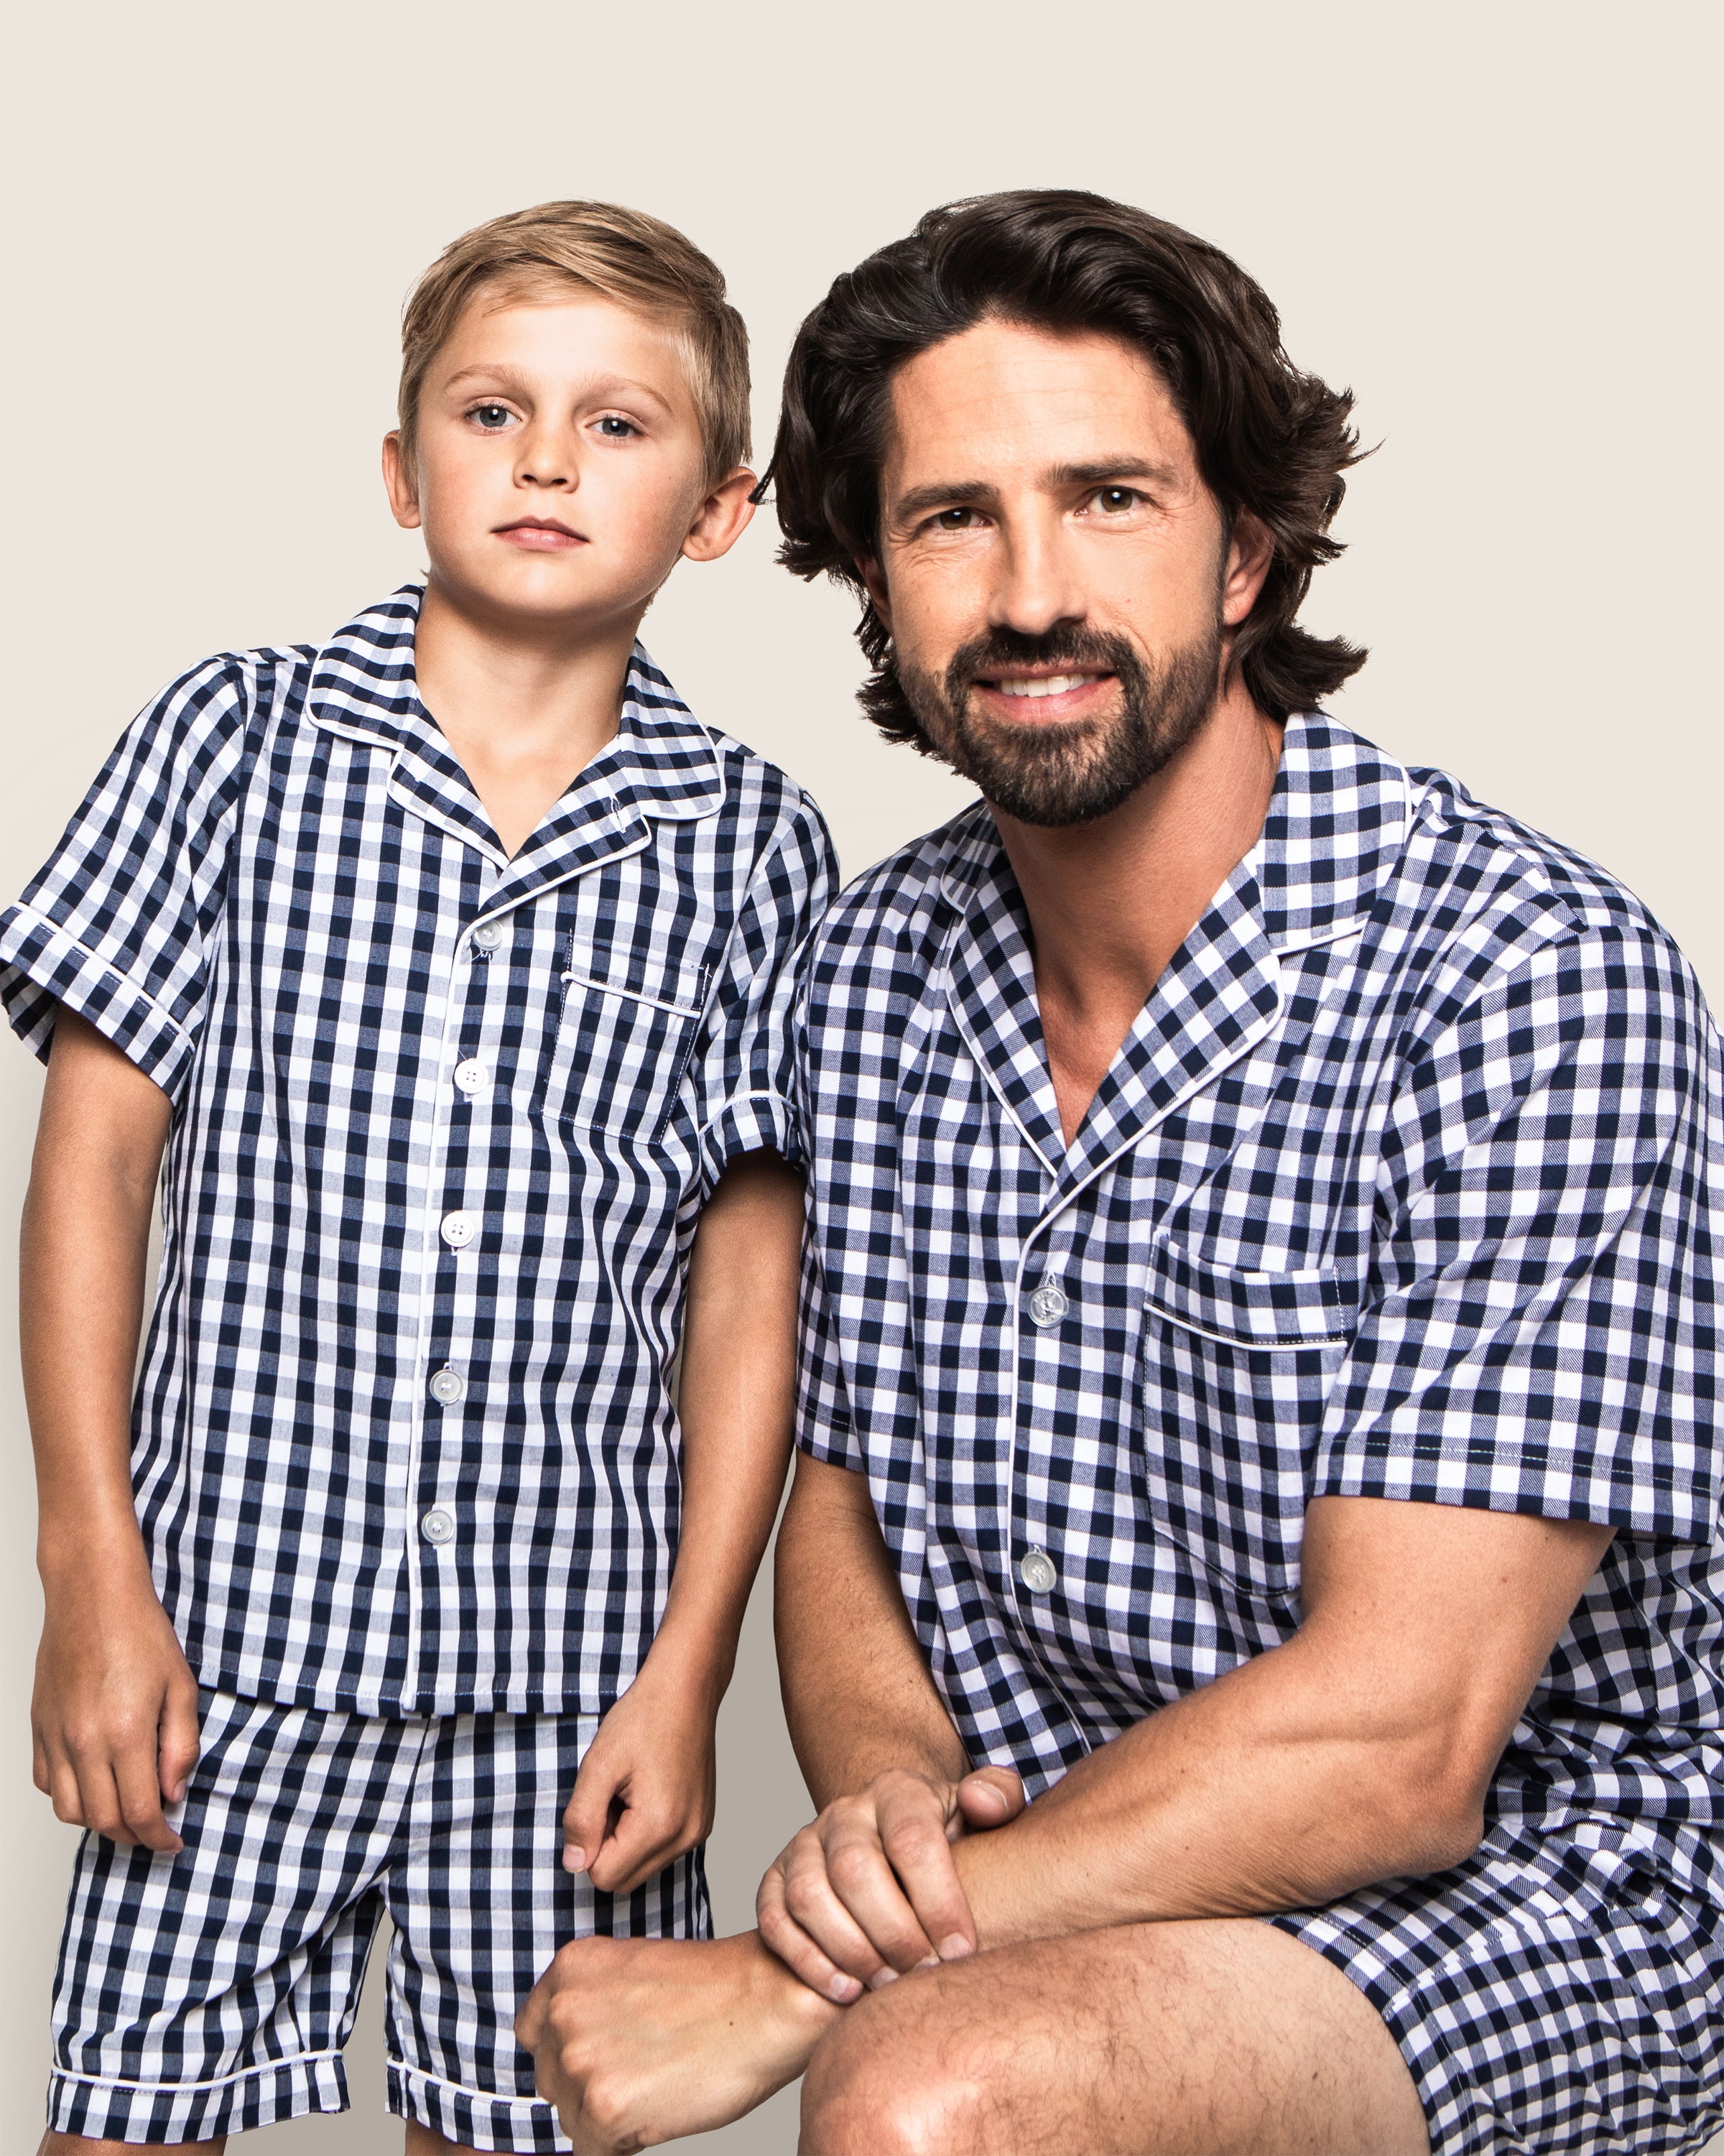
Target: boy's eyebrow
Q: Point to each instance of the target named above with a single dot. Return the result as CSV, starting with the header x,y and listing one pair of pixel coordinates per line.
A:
x,y
1100,472
506,377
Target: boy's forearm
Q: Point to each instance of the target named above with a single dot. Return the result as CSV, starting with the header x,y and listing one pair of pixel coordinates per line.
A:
x,y
735,1404
84,1247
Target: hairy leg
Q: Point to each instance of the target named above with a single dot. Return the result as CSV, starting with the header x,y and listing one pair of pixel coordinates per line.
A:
x,y
1211,2039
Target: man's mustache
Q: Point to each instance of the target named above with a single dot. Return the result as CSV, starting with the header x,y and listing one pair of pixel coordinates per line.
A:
x,y
1067,647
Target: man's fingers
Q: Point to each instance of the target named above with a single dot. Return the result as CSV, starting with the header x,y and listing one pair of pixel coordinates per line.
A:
x,y
853,1871
990,1797
914,1838
795,1948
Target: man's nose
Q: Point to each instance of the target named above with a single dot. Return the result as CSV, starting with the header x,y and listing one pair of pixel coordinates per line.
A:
x,y
1039,584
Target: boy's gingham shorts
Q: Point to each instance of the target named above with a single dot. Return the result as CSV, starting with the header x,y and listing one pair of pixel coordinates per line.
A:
x,y
1555,1995
212,1991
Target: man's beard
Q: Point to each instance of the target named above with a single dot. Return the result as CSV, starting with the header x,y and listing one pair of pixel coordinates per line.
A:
x,y
1054,772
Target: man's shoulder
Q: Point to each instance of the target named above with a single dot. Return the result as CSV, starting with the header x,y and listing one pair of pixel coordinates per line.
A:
x,y
1479,876
889,921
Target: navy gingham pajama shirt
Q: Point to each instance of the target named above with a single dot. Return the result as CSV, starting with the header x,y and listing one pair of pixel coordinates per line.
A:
x,y
1403,1185
443,1123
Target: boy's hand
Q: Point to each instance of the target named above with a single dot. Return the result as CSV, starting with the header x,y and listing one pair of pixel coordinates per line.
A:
x,y
113,1716
638,2041
647,1789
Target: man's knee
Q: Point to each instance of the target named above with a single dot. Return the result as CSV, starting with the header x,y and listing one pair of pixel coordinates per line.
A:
x,y
875,2087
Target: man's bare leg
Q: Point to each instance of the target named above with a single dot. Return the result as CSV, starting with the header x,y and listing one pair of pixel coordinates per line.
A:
x,y
1204,2038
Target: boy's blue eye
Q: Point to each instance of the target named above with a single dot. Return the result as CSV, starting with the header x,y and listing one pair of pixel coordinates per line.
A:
x,y
616,429
491,416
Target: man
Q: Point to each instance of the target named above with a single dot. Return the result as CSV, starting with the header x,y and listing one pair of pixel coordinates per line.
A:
x,y
1259,1331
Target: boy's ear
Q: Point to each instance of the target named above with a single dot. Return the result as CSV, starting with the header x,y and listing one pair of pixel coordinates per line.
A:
x,y
401,482
722,517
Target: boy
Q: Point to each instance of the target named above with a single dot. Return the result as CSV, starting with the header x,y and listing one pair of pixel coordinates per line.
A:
x,y
449,963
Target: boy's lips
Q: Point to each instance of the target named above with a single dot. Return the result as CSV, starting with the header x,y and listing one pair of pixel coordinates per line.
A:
x,y
540,535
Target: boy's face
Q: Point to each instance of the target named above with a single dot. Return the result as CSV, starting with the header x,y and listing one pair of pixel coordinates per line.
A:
x,y
560,469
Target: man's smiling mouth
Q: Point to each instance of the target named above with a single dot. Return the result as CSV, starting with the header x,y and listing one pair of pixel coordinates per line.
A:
x,y
1046,684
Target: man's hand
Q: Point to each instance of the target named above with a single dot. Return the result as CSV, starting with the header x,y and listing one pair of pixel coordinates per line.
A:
x,y
869,1890
114,1716
640,2041
646,1789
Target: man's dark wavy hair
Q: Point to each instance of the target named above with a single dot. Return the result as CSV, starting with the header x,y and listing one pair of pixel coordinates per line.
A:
x,y
1269,439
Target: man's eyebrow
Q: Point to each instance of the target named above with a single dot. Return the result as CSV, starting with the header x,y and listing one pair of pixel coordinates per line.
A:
x,y
1107,473
506,377
959,494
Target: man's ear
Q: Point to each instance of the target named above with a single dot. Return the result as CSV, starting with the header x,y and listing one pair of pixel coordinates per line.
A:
x,y
400,483
1248,554
722,517
874,584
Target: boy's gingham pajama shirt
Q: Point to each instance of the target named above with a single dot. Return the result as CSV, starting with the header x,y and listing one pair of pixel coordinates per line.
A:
x,y
1403,1185
405,1453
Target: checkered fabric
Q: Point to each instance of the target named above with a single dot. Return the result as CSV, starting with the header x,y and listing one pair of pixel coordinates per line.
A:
x,y
1552,1996
204,1992
1402,1185
443,1124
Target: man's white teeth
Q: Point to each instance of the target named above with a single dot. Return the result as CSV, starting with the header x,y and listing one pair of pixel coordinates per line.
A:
x,y
1053,684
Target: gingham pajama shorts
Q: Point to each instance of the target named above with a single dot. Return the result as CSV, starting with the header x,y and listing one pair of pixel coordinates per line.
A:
x,y
1555,1995
212,1991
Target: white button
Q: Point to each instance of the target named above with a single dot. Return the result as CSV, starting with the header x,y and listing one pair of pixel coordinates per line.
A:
x,y
1048,1305
449,1386
1039,1571
472,1076
488,935
437,1526
459,1229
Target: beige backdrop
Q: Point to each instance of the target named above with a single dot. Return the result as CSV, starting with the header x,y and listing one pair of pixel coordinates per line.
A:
x,y
1490,219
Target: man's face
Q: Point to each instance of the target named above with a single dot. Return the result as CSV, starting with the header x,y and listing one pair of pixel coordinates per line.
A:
x,y
1054,573
560,469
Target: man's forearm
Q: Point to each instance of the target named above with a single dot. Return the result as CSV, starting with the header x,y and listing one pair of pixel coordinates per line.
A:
x,y
858,1696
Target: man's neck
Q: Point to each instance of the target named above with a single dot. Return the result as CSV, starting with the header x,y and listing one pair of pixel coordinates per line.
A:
x,y
1110,902
524,710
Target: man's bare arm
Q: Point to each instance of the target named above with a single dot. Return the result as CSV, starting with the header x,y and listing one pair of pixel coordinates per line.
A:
x,y
1362,1749
114,1712
645,1791
858,1696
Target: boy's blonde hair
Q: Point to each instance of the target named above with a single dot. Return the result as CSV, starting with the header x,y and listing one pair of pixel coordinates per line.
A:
x,y
626,256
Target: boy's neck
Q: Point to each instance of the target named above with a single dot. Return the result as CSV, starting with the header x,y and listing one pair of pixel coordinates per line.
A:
x,y
524,710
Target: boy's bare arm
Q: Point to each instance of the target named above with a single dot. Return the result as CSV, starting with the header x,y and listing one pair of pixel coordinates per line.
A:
x,y
645,1790
115,1713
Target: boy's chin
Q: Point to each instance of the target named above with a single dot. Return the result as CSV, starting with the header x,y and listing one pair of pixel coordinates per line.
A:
x,y
538,590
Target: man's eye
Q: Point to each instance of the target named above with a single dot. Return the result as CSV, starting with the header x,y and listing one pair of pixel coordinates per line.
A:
x,y
616,429
1115,500
491,417
953,520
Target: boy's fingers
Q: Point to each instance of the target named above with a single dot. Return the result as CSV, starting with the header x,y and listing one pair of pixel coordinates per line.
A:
x,y
181,1739
138,1799
64,1792
586,1819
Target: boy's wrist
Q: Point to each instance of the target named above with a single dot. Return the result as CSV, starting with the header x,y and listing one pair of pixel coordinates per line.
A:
x,y
95,1546
688,1659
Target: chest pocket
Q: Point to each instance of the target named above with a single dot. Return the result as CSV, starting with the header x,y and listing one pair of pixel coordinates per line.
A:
x,y
1237,1367
626,1028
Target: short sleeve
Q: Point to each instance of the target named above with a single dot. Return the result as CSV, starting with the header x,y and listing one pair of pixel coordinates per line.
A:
x,y
116,927
1539,1329
824,1428
744,1076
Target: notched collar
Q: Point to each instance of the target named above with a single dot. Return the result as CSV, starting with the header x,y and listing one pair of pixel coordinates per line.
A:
x,y
660,764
